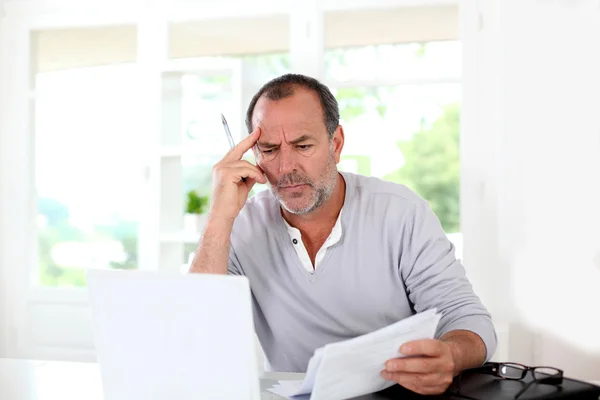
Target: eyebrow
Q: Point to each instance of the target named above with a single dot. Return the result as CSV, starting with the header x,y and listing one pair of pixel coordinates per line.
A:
x,y
269,145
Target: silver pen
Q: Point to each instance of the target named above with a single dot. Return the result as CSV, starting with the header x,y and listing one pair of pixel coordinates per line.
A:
x,y
229,137
227,131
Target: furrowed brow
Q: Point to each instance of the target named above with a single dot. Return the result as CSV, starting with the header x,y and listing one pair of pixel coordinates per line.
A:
x,y
301,139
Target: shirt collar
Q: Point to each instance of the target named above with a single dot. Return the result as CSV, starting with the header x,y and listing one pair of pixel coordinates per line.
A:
x,y
334,236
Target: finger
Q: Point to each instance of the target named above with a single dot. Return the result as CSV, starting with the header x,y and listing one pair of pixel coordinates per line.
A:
x,y
426,347
238,151
419,382
245,171
414,365
244,163
236,167
435,389
249,184
430,390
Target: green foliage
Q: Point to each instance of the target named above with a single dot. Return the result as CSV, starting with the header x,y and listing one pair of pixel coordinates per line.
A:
x,y
432,167
130,247
420,52
196,204
351,102
355,101
52,274
58,230
63,277
363,163
273,64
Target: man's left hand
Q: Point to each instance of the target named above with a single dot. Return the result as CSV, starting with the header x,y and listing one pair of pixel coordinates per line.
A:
x,y
428,369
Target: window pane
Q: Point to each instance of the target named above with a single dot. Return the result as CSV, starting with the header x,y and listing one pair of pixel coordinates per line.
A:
x,y
217,66
208,94
406,134
88,175
205,95
433,60
398,130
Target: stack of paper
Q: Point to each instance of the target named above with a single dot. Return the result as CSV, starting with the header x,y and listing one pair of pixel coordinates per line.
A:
x,y
290,389
352,368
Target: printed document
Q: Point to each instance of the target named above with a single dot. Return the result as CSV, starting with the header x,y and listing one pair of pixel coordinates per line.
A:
x,y
352,367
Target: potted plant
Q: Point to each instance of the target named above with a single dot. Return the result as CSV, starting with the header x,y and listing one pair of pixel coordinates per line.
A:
x,y
195,212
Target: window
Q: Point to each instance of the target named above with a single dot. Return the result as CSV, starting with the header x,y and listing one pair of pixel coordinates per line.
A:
x,y
429,61
207,94
215,67
400,107
88,172
124,119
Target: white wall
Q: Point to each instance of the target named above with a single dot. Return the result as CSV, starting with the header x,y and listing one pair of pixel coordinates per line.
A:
x,y
531,164
3,299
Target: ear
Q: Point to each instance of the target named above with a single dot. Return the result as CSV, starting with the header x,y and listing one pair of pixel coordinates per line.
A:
x,y
338,142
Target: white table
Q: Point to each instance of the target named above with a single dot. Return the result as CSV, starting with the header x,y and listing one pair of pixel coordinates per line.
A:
x,y
52,380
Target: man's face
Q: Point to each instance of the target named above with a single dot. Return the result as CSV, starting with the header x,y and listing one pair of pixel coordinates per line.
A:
x,y
295,152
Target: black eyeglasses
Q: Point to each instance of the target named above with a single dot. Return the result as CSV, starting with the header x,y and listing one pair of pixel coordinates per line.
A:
x,y
516,372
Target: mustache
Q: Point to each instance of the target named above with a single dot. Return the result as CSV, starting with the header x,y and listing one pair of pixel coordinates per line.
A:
x,y
293,179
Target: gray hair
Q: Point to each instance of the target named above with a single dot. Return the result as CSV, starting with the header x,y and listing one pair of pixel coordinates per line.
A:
x,y
283,87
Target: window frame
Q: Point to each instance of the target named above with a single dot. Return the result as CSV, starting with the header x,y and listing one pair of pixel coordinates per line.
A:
x,y
19,210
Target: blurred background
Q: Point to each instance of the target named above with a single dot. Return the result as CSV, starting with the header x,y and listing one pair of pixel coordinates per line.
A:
x,y
489,109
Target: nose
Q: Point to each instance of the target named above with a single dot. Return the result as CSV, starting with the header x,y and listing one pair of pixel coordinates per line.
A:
x,y
287,163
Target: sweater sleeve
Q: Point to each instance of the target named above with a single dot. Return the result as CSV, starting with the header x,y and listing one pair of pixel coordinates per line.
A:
x,y
435,278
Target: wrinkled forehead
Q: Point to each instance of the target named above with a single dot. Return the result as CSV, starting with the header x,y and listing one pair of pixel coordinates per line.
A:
x,y
275,134
294,115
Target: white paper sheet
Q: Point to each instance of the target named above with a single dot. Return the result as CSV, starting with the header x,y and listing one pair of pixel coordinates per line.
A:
x,y
285,393
286,388
352,368
311,373
290,384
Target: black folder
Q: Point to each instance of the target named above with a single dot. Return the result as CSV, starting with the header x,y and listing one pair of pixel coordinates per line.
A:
x,y
480,386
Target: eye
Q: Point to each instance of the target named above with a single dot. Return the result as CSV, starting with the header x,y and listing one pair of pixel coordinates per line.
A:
x,y
267,151
305,146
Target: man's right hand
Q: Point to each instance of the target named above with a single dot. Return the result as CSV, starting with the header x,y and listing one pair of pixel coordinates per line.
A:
x,y
230,191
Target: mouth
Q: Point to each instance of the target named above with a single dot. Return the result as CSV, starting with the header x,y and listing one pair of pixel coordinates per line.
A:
x,y
292,187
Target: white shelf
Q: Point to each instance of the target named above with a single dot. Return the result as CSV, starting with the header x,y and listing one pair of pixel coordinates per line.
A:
x,y
181,237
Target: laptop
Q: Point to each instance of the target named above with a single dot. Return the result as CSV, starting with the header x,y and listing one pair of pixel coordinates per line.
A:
x,y
165,336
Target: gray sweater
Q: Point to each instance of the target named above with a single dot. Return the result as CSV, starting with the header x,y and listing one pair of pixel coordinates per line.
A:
x,y
392,261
